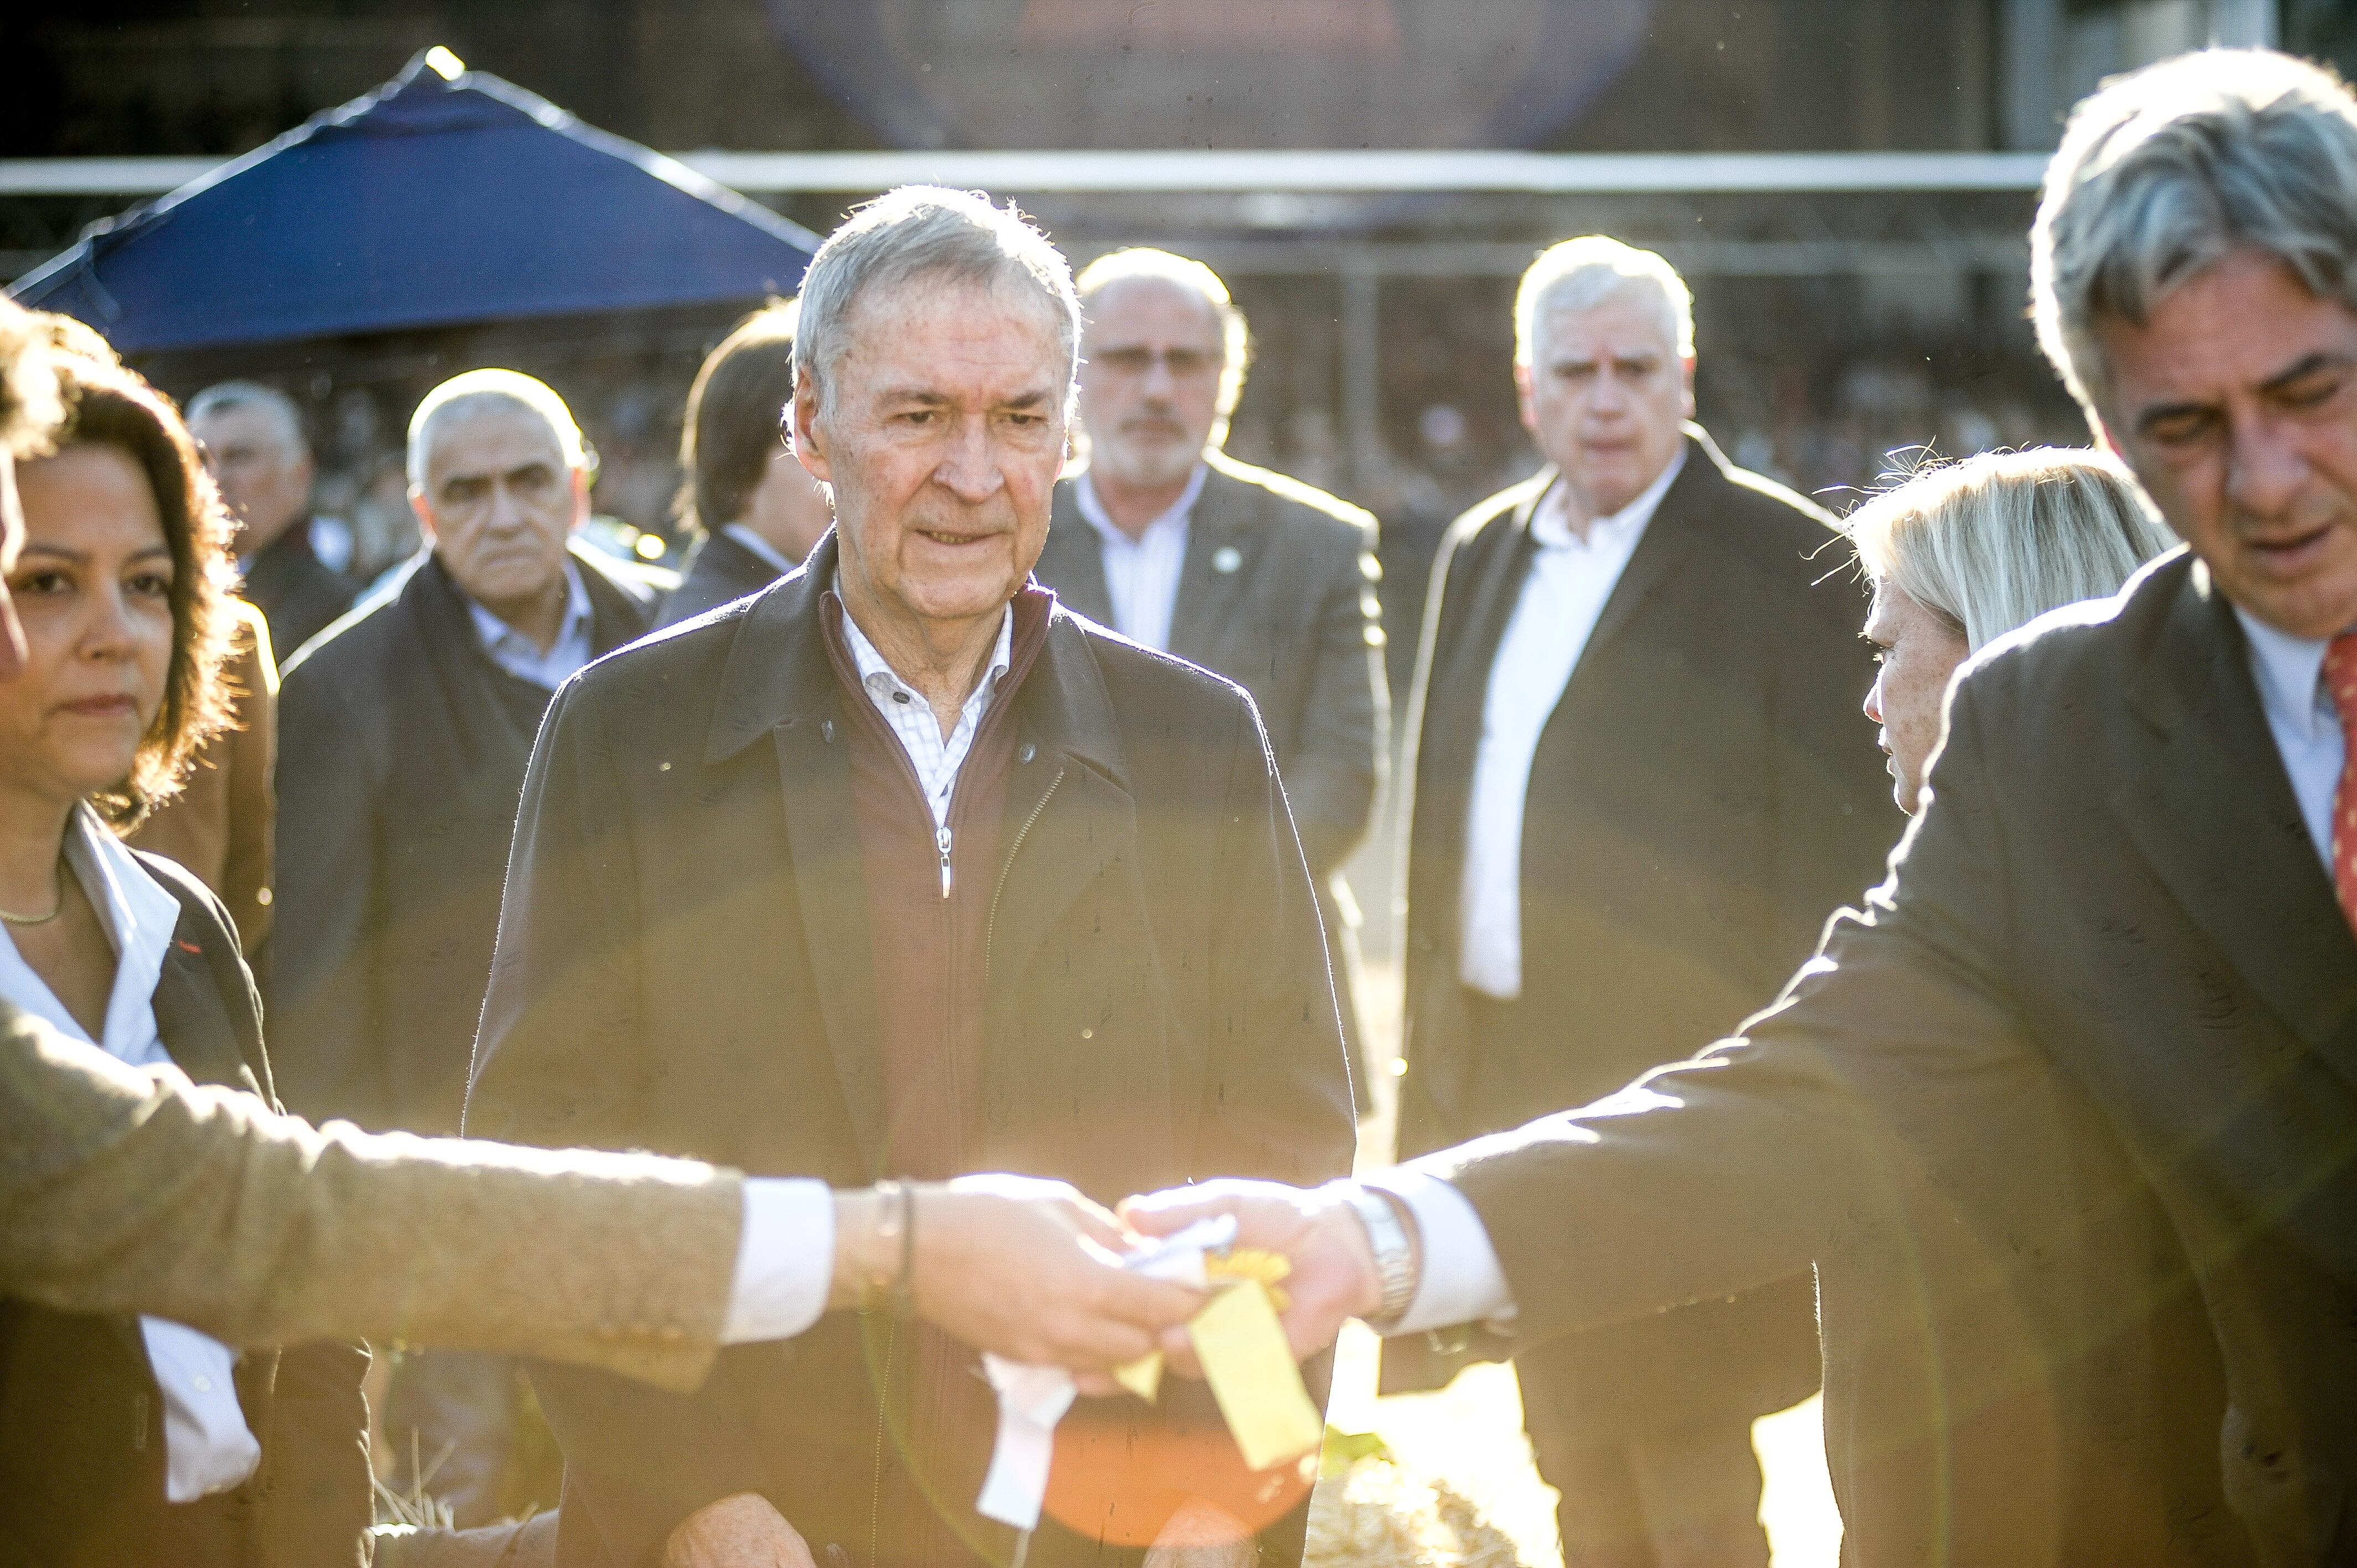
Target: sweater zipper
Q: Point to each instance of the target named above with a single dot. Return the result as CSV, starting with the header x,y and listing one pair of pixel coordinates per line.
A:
x,y
941,843
990,924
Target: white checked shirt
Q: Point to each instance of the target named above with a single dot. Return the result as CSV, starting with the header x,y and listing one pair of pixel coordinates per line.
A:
x,y
1142,573
910,718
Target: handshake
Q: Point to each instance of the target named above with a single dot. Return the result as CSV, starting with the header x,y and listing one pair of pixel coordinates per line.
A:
x,y
1032,1269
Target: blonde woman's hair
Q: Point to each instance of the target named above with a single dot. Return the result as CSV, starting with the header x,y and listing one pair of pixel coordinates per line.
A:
x,y
1991,543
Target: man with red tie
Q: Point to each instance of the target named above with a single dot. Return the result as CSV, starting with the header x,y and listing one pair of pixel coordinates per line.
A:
x,y
2114,970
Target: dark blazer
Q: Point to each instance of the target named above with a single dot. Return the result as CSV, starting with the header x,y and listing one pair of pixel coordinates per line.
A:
x,y
1705,792
81,1420
719,569
1278,593
400,755
2105,1005
683,966
294,590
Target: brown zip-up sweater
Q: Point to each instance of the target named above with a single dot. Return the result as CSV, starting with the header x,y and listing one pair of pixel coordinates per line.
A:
x,y
927,936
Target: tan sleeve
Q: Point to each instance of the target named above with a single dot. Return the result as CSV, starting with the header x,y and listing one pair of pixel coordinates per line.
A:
x,y
124,1191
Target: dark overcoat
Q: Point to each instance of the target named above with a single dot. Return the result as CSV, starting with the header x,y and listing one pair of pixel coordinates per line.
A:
x,y
2096,1034
1705,792
81,1420
400,755
1278,593
683,966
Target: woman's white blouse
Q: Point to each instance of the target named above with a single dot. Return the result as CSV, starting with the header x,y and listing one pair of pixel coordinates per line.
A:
x,y
208,1447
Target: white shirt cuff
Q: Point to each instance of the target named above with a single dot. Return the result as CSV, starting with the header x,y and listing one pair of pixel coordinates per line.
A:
x,y
1461,1281
785,1260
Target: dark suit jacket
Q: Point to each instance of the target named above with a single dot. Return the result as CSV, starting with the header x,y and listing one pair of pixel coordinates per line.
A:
x,y
2105,1005
294,590
81,1420
683,966
1706,791
718,570
399,765
1293,618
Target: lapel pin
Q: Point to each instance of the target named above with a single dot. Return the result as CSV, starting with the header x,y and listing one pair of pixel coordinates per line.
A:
x,y
1227,558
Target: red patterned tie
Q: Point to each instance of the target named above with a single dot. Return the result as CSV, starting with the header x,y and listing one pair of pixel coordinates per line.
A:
x,y
2341,680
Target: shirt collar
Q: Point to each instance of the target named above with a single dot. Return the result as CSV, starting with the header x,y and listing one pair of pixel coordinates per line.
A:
x,y
877,674
2291,676
499,637
139,917
766,553
1084,494
1551,523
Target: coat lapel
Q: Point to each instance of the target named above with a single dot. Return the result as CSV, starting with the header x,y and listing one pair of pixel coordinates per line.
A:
x,y
1490,593
1070,812
1669,538
194,1022
1072,561
2214,814
1224,539
778,687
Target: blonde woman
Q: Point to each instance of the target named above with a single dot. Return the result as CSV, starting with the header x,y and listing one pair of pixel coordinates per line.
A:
x,y
1965,552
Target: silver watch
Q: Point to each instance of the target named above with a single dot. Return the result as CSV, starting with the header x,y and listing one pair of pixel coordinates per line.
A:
x,y
1395,1257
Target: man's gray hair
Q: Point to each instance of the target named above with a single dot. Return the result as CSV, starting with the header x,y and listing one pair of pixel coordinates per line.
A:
x,y
223,397
1991,543
932,232
477,390
1581,274
2169,169
1190,276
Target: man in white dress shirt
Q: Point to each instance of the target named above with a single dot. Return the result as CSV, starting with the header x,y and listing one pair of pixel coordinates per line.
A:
x,y
2134,880
1639,783
1255,576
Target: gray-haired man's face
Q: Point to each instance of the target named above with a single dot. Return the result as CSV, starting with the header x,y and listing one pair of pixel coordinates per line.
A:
x,y
263,474
2235,402
942,435
1605,396
1150,368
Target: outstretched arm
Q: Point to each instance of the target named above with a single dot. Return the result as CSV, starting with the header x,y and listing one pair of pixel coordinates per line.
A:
x,y
131,1192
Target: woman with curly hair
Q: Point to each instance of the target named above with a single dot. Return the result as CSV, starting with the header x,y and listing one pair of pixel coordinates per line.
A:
x,y
140,1440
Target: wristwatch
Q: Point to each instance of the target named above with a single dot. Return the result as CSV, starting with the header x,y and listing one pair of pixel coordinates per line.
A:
x,y
1394,1255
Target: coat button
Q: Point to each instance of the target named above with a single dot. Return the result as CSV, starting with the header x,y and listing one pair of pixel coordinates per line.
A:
x,y
826,731
1227,558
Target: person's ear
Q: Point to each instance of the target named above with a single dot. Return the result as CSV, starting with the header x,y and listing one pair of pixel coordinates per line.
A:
x,y
425,510
580,478
1685,383
810,446
1525,395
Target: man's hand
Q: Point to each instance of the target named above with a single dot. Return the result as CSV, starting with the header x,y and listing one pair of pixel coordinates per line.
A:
x,y
1334,1275
739,1531
1023,1267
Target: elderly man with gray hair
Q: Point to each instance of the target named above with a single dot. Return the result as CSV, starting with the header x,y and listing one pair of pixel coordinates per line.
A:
x,y
1255,576
252,437
899,868
2067,1115
1637,788
403,733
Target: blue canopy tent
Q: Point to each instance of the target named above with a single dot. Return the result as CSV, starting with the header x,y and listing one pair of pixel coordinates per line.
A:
x,y
446,197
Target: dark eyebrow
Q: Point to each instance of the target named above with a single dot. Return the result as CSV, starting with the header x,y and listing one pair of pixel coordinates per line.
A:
x,y
39,547
2320,361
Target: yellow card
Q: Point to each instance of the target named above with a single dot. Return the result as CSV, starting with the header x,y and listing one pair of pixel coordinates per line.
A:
x,y
1252,1375
1142,1376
